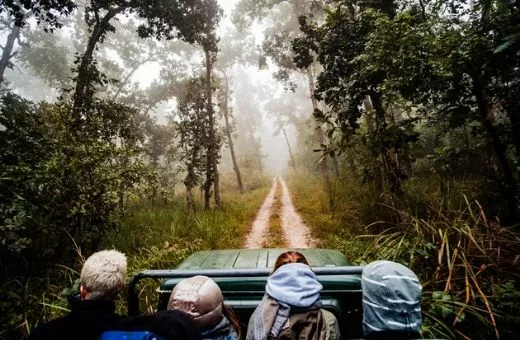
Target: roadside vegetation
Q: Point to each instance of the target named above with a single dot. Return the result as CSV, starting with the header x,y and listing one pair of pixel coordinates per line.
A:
x,y
153,235
138,126
467,261
418,156
84,162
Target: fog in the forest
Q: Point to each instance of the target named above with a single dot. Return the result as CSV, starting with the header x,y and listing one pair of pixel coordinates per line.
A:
x,y
256,96
157,128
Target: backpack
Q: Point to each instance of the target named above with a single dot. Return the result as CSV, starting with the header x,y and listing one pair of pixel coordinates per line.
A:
x,y
315,324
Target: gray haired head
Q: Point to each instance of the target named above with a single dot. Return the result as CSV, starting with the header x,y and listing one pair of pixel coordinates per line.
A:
x,y
391,299
103,275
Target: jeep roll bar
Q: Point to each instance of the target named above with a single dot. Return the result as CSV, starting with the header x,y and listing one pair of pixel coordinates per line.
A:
x,y
133,298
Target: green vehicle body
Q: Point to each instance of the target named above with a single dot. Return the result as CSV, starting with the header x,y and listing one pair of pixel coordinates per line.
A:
x,y
242,275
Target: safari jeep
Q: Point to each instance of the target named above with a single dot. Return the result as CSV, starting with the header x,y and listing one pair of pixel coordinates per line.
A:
x,y
242,276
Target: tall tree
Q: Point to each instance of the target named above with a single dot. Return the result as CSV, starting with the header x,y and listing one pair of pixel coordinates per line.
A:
x,y
277,48
48,57
209,45
340,64
248,116
164,19
281,127
232,48
449,65
47,12
225,109
193,133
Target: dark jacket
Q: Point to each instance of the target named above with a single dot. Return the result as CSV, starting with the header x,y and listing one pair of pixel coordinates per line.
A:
x,y
87,320
166,324
222,331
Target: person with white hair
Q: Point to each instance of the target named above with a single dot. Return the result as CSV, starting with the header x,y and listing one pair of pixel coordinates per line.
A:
x,y
102,277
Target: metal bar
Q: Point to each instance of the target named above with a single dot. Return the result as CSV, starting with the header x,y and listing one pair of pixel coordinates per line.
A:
x,y
133,298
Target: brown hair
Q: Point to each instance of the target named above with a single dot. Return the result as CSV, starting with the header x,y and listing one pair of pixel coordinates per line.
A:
x,y
289,257
232,317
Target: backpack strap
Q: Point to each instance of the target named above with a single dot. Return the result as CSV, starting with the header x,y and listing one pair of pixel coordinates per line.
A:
x,y
331,325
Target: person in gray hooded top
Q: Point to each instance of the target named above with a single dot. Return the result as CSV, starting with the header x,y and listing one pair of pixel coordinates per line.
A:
x,y
391,301
291,307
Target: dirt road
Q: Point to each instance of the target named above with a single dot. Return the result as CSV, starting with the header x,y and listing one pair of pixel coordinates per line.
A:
x,y
259,228
295,233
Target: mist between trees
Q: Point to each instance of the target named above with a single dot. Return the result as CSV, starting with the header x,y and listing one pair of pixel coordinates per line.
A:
x,y
402,116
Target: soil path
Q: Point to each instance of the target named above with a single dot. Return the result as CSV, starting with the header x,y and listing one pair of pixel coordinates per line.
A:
x,y
296,233
259,228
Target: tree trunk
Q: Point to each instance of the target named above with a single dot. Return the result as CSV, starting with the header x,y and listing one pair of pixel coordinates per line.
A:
x,y
260,166
8,49
228,134
378,174
209,148
83,93
216,186
510,189
514,117
211,167
319,136
189,199
393,172
293,164
191,178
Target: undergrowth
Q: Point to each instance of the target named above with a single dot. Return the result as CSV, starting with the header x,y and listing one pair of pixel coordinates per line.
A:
x,y
153,235
467,262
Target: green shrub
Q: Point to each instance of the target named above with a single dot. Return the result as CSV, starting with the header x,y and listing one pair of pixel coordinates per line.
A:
x,y
467,262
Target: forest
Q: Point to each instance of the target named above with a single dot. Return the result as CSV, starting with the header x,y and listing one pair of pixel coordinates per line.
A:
x,y
156,127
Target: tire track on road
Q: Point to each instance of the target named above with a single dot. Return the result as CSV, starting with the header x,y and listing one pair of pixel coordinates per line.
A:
x,y
296,233
258,234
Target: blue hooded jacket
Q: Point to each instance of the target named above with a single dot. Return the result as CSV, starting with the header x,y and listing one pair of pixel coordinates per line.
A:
x,y
294,284
391,299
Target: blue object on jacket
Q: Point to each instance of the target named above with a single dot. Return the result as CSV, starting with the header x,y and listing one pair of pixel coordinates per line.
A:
x,y
294,284
129,335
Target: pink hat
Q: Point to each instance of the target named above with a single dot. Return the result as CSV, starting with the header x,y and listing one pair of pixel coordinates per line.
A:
x,y
201,298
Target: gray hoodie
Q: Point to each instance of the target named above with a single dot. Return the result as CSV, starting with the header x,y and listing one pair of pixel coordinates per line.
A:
x,y
291,287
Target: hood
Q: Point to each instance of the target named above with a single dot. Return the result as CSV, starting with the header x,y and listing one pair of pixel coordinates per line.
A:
x,y
391,299
294,284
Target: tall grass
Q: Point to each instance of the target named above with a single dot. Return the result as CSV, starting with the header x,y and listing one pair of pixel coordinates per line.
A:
x,y
461,257
161,235
468,263
153,235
